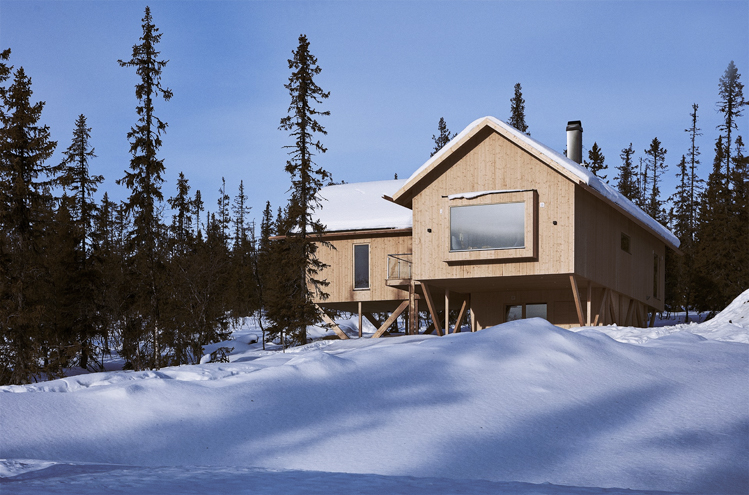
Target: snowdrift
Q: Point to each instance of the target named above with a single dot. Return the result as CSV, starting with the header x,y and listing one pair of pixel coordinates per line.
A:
x,y
523,402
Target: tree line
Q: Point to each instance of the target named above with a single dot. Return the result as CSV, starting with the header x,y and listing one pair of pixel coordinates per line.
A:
x,y
82,280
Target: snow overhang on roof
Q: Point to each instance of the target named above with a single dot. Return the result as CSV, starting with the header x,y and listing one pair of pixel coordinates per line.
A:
x,y
570,169
361,206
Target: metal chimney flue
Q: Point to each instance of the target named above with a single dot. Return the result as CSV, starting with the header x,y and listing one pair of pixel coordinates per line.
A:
x,y
575,141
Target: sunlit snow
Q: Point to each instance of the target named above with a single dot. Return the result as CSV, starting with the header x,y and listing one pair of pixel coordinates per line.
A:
x,y
523,407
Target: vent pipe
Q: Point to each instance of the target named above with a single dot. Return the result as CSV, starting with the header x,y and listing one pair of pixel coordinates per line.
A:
x,y
575,141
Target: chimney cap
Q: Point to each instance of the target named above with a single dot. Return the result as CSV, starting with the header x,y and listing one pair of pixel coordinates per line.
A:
x,y
574,125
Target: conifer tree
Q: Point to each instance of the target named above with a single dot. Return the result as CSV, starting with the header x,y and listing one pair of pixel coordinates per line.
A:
x,y
182,205
626,181
307,178
224,217
25,217
243,287
441,139
198,209
144,181
730,104
655,166
517,111
713,252
596,161
85,284
262,264
695,183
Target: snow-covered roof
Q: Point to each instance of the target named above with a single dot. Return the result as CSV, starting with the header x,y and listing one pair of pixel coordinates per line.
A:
x,y
584,175
361,206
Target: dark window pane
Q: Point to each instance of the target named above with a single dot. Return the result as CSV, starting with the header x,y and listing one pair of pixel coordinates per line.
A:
x,y
497,226
514,313
361,266
535,311
625,243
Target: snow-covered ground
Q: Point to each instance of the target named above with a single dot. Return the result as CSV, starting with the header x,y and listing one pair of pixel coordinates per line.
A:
x,y
523,407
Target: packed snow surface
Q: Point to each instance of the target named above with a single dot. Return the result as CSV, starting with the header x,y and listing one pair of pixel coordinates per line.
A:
x,y
361,206
578,170
523,407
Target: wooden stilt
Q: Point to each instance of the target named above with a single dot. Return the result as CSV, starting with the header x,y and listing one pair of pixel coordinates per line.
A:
x,y
589,304
578,305
412,326
628,318
652,319
447,312
601,311
432,310
393,316
614,306
461,314
360,320
327,319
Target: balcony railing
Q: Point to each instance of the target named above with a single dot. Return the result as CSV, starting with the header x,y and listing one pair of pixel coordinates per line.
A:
x,y
399,266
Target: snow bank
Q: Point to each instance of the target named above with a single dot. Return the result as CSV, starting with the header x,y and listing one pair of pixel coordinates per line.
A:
x,y
523,402
730,325
361,206
578,170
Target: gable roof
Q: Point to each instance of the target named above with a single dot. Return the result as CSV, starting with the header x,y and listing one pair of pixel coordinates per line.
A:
x,y
568,168
361,206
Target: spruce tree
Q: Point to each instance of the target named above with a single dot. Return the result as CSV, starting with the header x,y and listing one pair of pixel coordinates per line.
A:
x,y
25,219
627,180
85,285
182,206
224,217
596,161
441,139
262,265
655,166
144,181
307,178
243,288
517,111
730,104
695,183
713,251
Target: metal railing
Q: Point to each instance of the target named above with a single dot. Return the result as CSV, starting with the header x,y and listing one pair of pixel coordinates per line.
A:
x,y
399,266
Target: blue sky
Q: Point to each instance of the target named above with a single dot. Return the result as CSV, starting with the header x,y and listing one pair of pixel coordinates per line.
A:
x,y
629,70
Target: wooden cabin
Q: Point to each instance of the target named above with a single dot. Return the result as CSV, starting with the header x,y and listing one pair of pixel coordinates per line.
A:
x,y
498,224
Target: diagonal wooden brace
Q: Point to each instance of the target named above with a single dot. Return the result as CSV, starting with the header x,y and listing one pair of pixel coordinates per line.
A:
x,y
327,319
395,314
432,310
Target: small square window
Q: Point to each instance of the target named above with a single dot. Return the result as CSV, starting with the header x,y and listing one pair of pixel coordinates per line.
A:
x,y
535,311
514,313
626,243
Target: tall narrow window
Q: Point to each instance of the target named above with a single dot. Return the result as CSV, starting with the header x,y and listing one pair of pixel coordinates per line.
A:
x,y
626,243
656,275
361,266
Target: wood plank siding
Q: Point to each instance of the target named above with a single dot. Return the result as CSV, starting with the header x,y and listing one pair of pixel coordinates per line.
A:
x,y
491,162
340,272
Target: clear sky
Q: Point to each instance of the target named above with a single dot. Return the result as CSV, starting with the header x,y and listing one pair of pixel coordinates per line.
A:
x,y
629,70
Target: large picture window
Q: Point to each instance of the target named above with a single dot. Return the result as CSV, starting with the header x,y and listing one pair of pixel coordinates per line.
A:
x,y
484,227
361,266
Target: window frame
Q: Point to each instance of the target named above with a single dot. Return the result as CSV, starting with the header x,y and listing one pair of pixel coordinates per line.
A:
x,y
523,309
369,265
530,251
628,243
